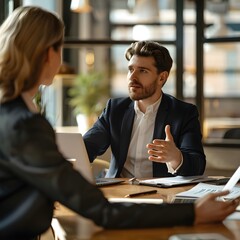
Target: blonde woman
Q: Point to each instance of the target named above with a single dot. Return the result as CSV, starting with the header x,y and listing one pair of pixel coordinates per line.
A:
x,y
33,173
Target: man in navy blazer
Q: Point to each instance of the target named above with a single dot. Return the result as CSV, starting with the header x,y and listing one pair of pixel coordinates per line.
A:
x,y
151,134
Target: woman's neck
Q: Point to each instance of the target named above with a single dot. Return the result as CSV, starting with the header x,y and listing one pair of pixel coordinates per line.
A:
x,y
28,99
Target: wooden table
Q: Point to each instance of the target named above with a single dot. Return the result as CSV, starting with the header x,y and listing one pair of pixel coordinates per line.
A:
x,y
77,227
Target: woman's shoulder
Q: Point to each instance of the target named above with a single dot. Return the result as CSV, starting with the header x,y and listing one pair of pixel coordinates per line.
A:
x,y
15,115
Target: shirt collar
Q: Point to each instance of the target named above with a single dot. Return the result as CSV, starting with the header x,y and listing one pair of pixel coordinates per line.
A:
x,y
150,109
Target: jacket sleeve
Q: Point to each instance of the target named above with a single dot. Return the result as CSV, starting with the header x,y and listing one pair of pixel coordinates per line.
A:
x,y
190,143
34,158
98,138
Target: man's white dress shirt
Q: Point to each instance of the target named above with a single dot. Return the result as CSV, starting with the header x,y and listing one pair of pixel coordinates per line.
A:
x,y
137,163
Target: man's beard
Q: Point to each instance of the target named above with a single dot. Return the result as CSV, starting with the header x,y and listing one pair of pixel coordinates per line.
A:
x,y
145,93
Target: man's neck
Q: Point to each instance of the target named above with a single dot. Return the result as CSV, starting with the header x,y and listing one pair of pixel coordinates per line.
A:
x,y
143,104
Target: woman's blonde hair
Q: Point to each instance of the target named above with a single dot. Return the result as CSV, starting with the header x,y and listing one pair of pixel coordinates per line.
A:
x,y
25,37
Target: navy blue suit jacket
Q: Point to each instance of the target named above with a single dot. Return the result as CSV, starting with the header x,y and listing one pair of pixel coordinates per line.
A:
x,y
114,128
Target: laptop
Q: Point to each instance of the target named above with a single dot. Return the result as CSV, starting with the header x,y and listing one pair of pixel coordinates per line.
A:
x,y
72,146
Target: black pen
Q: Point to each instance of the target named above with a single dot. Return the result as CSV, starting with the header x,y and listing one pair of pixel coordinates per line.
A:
x,y
141,193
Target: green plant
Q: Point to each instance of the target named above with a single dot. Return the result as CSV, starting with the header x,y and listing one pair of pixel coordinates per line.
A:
x,y
39,102
89,93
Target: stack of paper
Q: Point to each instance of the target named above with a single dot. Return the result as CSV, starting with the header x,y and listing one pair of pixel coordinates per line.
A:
x,y
202,189
175,181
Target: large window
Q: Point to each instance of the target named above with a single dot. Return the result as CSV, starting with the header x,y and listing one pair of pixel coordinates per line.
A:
x,y
104,34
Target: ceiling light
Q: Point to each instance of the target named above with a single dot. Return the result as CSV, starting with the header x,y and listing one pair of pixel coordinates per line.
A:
x,y
80,6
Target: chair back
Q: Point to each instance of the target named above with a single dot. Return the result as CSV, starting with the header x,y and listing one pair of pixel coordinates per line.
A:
x,y
233,133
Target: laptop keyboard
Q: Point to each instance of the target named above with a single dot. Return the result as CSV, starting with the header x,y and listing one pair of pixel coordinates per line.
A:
x,y
184,200
221,181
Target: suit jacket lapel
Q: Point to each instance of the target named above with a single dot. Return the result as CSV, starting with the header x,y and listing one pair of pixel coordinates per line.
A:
x,y
160,122
159,169
126,131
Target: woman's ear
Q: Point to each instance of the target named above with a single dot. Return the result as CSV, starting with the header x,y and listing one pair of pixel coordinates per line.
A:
x,y
49,54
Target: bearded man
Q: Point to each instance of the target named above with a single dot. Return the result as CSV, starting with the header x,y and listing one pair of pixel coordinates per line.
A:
x,y
151,134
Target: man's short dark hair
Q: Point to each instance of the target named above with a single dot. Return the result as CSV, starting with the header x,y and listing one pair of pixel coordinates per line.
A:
x,y
163,60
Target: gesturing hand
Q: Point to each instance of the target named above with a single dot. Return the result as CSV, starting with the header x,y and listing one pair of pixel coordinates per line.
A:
x,y
165,150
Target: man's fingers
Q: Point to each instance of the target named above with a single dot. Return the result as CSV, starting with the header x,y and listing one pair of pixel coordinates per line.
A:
x,y
169,136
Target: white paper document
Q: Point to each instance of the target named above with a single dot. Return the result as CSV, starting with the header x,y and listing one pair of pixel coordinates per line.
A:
x,y
234,216
202,189
136,200
198,236
175,181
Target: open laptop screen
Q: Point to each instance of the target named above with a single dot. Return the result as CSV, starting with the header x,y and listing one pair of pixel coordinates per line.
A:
x,y
72,146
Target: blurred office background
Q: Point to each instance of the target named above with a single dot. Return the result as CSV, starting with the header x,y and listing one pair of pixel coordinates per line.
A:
x,y
203,38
